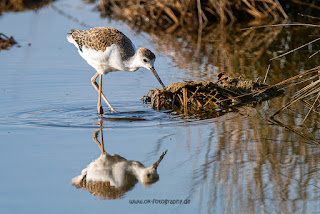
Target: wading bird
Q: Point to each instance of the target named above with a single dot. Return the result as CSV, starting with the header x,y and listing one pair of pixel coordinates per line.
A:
x,y
107,50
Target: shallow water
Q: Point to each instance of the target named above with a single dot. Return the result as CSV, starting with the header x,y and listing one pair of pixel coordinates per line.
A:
x,y
239,162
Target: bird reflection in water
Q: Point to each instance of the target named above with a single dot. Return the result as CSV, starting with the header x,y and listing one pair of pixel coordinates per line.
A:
x,y
111,176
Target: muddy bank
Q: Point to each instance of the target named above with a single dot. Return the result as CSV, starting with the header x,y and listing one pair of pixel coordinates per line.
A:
x,y
211,98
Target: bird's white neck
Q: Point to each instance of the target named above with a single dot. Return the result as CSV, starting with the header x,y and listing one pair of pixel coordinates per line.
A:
x,y
145,175
132,63
137,169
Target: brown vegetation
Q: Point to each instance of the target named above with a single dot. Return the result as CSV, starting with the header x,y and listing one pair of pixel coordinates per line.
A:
x,y
193,14
206,97
20,5
6,42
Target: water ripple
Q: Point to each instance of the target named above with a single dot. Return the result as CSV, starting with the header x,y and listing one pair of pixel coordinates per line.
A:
x,y
87,117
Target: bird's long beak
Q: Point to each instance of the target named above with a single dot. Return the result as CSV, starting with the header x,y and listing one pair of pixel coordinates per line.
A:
x,y
156,164
157,76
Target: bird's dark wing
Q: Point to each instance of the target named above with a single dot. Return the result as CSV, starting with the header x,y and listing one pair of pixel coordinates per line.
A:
x,y
99,38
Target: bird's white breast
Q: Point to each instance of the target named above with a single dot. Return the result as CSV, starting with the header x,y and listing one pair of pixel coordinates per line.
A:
x,y
103,61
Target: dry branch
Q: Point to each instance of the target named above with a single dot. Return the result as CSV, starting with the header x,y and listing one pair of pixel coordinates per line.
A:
x,y
6,42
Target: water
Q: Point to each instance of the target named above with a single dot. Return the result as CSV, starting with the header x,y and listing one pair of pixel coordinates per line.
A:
x,y
239,162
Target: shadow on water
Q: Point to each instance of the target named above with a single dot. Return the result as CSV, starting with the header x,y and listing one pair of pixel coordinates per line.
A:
x,y
111,176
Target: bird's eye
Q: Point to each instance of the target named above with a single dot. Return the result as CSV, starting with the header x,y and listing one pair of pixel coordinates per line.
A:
x,y
148,175
145,60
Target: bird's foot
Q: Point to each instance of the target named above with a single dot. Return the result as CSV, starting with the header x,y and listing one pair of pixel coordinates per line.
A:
x,y
100,110
112,110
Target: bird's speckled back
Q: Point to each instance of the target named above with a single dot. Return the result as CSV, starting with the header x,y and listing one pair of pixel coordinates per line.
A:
x,y
99,38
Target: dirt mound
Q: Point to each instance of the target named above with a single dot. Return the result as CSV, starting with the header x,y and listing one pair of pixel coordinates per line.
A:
x,y
225,95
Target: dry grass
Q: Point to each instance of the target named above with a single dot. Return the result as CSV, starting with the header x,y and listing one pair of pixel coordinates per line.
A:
x,y
20,5
309,94
193,14
6,42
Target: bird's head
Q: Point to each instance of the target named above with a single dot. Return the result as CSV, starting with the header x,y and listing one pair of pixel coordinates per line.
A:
x,y
146,57
150,175
146,60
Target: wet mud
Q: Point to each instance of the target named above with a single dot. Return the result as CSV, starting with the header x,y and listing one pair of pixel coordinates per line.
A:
x,y
211,98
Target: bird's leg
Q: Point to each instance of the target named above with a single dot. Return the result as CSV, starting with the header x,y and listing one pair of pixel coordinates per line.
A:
x,y
100,109
101,139
100,144
96,87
